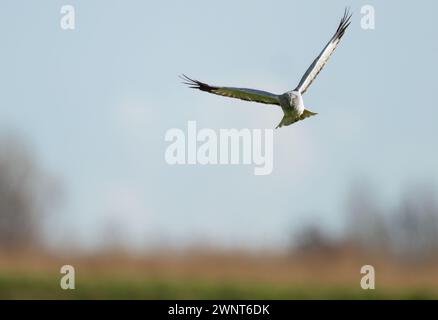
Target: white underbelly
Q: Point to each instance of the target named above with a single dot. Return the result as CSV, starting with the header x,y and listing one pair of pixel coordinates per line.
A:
x,y
298,109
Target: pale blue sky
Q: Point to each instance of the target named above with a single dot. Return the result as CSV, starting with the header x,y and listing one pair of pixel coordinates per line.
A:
x,y
95,104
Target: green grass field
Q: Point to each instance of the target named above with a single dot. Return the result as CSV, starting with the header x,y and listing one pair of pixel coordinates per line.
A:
x,y
201,275
43,286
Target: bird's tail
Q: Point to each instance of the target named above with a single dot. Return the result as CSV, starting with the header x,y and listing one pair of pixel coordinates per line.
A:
x,y
287,120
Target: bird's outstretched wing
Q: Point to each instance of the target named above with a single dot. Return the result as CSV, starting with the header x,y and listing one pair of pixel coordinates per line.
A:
x,y
238,93
323,57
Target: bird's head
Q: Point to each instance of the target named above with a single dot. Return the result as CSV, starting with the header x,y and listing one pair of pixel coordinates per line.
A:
x,y
295,96
295,93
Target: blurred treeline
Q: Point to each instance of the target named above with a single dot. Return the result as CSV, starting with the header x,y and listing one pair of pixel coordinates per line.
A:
x,y
406,229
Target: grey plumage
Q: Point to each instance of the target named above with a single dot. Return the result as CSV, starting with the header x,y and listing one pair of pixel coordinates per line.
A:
x,y
291,102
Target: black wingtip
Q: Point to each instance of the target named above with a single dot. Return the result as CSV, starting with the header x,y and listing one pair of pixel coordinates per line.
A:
x,y
195,84
186,80
189,81
345,22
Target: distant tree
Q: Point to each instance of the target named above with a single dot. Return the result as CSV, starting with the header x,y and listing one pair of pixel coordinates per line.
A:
x,y
415,223
366,222
312,239
23,197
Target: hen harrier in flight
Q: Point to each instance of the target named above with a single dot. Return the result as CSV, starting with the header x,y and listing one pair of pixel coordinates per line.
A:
x,y
291,101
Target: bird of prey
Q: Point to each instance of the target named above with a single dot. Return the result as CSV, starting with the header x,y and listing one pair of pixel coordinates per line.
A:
x,y
291,101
